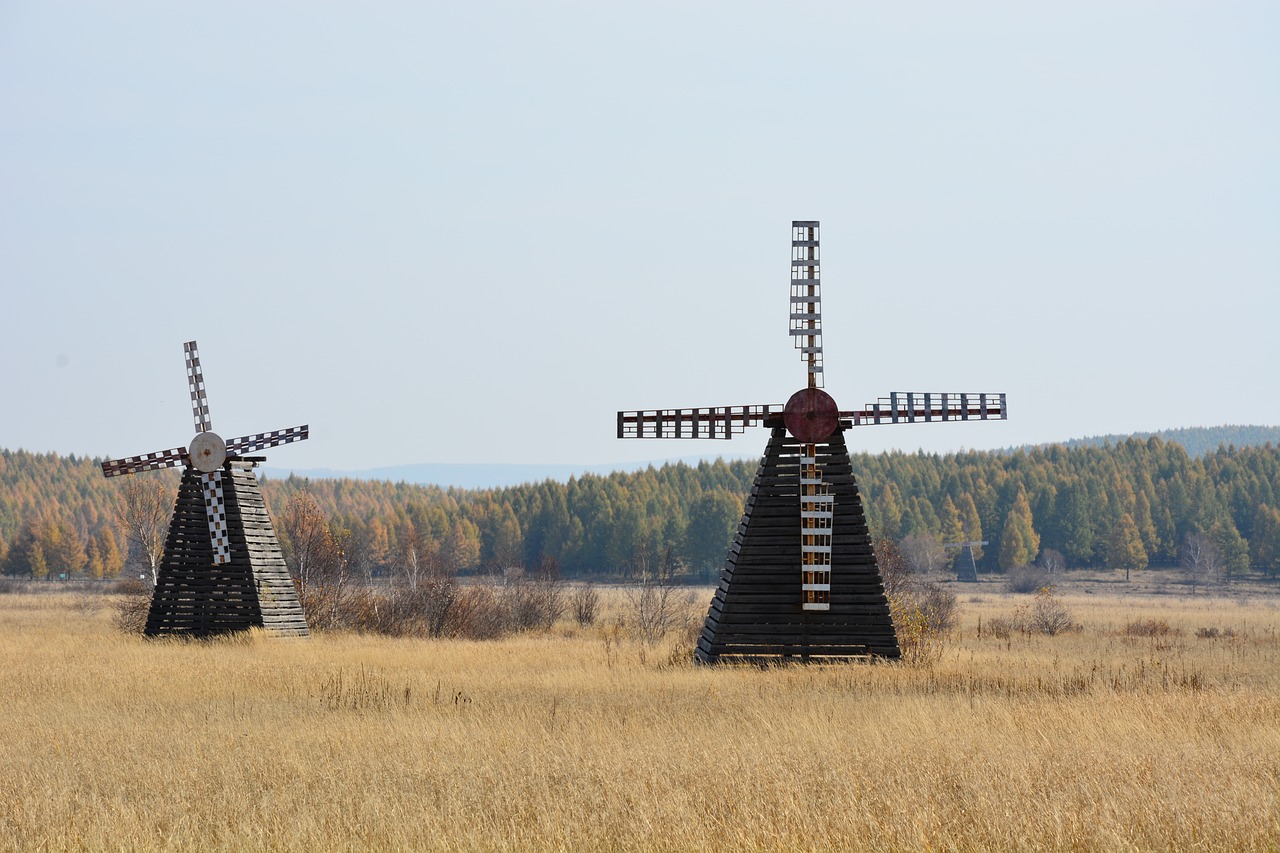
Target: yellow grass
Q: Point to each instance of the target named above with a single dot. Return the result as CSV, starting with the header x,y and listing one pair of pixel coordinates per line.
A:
x,y
581,740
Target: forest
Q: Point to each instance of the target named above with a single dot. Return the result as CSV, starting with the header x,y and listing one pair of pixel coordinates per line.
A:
x,y
1130,504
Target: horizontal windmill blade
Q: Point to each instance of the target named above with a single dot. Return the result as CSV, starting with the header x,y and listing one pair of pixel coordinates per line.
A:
x,y
250,443
806,297
713,422
908,407
146,462
195,379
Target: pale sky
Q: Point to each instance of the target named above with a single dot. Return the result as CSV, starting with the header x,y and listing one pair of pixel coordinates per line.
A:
x,y
471,232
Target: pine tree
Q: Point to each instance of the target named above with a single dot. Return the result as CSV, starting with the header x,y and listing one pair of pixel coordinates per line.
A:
x,y
1124,546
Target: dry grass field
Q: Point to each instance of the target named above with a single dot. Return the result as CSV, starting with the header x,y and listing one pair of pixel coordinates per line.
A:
x,y
580,739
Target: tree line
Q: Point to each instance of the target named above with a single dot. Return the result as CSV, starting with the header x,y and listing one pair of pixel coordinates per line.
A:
x,y
1131,504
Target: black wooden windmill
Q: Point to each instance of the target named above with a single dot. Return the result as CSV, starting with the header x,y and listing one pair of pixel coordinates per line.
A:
x,y
801,576
222,568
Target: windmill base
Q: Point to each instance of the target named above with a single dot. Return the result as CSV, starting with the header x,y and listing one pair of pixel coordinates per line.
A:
x,y
195,597
757,613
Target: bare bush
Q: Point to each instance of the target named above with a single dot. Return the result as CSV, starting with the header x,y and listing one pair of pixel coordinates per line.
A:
x,y
655,605
1048,614
923,612
480,614
1045,615
584,602
1027,579
1148,628
132,606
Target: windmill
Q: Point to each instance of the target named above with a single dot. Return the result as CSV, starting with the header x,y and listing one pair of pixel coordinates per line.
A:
x,y
801,577
222,568
969,573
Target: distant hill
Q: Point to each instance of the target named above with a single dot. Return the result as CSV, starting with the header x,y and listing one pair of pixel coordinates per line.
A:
x,y
1197,441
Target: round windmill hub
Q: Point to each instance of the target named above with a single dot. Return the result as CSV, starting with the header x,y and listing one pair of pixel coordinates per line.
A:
x,y
207,451
811,415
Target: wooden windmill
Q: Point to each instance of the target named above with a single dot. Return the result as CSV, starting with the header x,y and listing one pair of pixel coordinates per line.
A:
x,y
967,573
222,568
801,577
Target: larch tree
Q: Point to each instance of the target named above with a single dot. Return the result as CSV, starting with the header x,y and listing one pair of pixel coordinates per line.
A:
x,y
713,518
952,529
1264,545
1232,548
1124,546
972,523
1019,543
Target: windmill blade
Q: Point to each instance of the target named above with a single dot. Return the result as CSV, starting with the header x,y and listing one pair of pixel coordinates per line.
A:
x,y
806,296
712,422
249,443
146,462
914,407
215,508
817,506
195,379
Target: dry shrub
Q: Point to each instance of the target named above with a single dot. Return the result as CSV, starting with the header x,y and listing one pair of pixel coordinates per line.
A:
x,y
1048,614
1148,628
923,612
919,641
584,601
1027,579
1215,633
131,610
534,603
479,614
1045,615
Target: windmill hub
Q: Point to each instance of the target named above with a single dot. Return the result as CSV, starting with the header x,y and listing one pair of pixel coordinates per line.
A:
x,y
811,415
207,451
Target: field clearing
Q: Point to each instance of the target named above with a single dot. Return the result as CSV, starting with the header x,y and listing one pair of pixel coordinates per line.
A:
x,y
581,739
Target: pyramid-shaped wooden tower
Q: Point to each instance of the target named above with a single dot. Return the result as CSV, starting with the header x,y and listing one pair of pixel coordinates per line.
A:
x,y
801,579
222,568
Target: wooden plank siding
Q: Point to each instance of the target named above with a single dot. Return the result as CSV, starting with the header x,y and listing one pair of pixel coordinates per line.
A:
x,y
756,612
195,597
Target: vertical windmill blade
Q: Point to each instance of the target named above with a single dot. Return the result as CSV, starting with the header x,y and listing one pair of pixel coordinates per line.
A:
x,y
195,379
806,296
817,506
216,508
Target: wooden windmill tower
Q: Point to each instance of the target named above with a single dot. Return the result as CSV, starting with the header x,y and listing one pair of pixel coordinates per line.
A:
x,y
801,578
966,572
222,568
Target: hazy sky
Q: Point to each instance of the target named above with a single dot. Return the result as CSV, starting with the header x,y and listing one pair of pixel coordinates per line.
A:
x,y
471,232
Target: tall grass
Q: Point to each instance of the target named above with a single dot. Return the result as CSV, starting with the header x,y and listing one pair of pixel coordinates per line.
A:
x,y
584,739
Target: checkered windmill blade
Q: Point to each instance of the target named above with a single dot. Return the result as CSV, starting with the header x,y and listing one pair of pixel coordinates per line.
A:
x,y
207,453
840,609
